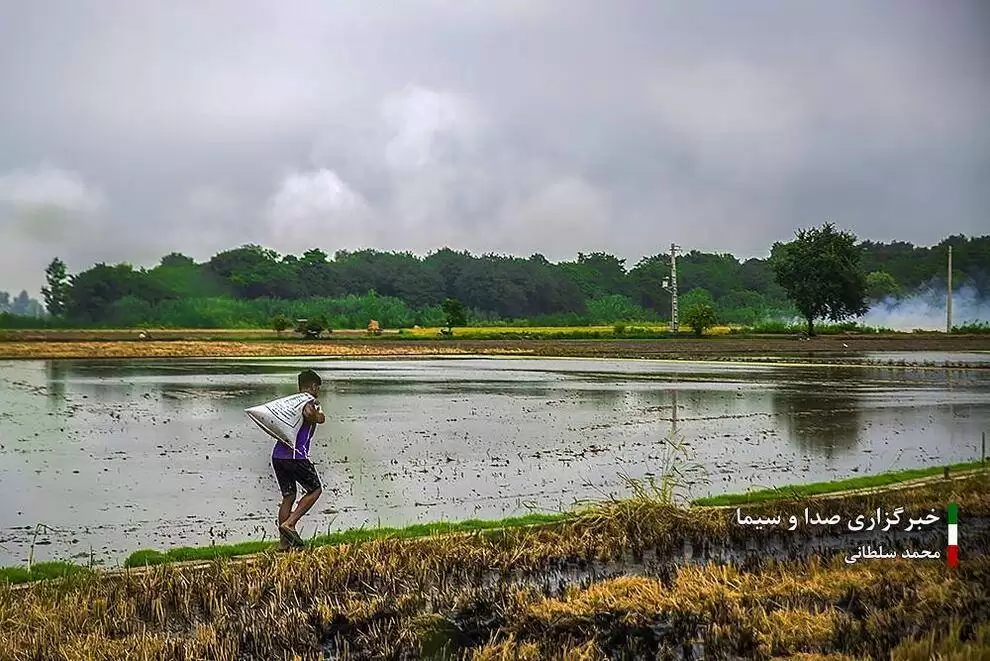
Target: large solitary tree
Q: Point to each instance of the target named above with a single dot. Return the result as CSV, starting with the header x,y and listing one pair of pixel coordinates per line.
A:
x,y
57,287
821,272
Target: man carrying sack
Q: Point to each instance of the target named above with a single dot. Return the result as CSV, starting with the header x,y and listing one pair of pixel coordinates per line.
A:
x,y
292,465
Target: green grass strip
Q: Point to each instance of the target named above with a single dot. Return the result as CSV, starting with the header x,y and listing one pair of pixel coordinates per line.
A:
x,y
819,488
39,571
147,557
184,554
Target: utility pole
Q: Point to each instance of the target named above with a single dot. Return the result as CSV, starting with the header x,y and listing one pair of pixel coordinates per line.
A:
x,y
948,300
670,286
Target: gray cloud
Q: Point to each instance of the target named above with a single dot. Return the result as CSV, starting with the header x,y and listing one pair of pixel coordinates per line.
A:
x,y
133,129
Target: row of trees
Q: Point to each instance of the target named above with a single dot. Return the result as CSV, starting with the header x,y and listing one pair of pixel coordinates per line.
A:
x,y
247,286
20,305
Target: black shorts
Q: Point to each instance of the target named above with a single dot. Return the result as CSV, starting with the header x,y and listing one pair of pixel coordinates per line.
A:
x,y
290,471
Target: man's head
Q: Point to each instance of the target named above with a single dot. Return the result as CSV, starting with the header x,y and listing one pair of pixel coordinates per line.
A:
x,y
310,381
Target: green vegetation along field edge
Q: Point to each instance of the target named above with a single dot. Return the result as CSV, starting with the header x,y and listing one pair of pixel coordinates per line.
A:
x,y
149,557
821,488
251,286
617,331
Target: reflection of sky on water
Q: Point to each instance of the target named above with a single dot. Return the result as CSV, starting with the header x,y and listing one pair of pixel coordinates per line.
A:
x,y
133,454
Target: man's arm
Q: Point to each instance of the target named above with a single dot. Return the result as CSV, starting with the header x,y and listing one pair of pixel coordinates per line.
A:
x,y
313,415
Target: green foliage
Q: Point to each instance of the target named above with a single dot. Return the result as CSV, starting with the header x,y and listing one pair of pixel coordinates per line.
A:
x,y
700,317
183,278
980,327
821,272
615,307
352,535
913,266
431,316
313,328
818,488
18,321
247,286
645,284
747,307
130,311
93,293
597,274
39,572
880,285
696,296
57,287
177,260
281,323
454,313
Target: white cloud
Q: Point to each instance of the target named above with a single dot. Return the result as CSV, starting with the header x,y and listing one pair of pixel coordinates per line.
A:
x,y
566,216
47,211
49,187
49,205
315,206
428,125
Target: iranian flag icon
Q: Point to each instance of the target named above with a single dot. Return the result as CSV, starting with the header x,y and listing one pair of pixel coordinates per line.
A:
x,y
953,548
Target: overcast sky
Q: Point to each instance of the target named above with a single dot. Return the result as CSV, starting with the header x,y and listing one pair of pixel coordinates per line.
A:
x,y
130,129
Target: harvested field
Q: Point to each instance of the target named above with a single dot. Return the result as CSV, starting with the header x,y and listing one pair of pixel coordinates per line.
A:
x,y
217,349
612,583
202,344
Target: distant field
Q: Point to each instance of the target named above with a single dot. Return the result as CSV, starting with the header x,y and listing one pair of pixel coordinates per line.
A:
x,y
425,342
609,331
629,331
195,334
113,334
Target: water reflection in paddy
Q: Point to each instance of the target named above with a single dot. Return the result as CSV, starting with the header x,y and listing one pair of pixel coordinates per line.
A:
x,y
123,455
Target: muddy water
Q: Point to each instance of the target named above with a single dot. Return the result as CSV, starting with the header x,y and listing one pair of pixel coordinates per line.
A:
x,y
117,456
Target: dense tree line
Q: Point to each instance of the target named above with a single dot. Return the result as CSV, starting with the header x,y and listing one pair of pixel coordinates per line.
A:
x,y
247,286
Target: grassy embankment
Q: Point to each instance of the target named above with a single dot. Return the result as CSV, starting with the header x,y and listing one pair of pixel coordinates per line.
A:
x,y
150,557
823,488
474,596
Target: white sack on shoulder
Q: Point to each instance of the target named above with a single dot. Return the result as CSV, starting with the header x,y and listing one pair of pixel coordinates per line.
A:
x,y
281,418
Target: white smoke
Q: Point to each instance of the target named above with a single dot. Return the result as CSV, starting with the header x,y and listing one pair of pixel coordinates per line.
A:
x,y
925,309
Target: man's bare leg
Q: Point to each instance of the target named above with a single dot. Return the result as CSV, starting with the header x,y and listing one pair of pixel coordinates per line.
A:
x,y
304,505
284,510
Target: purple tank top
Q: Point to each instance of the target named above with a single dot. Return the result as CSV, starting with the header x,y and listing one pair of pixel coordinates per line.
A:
x,y
303,437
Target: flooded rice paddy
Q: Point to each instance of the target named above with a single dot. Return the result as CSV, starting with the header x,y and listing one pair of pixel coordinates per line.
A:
x,y
114,456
